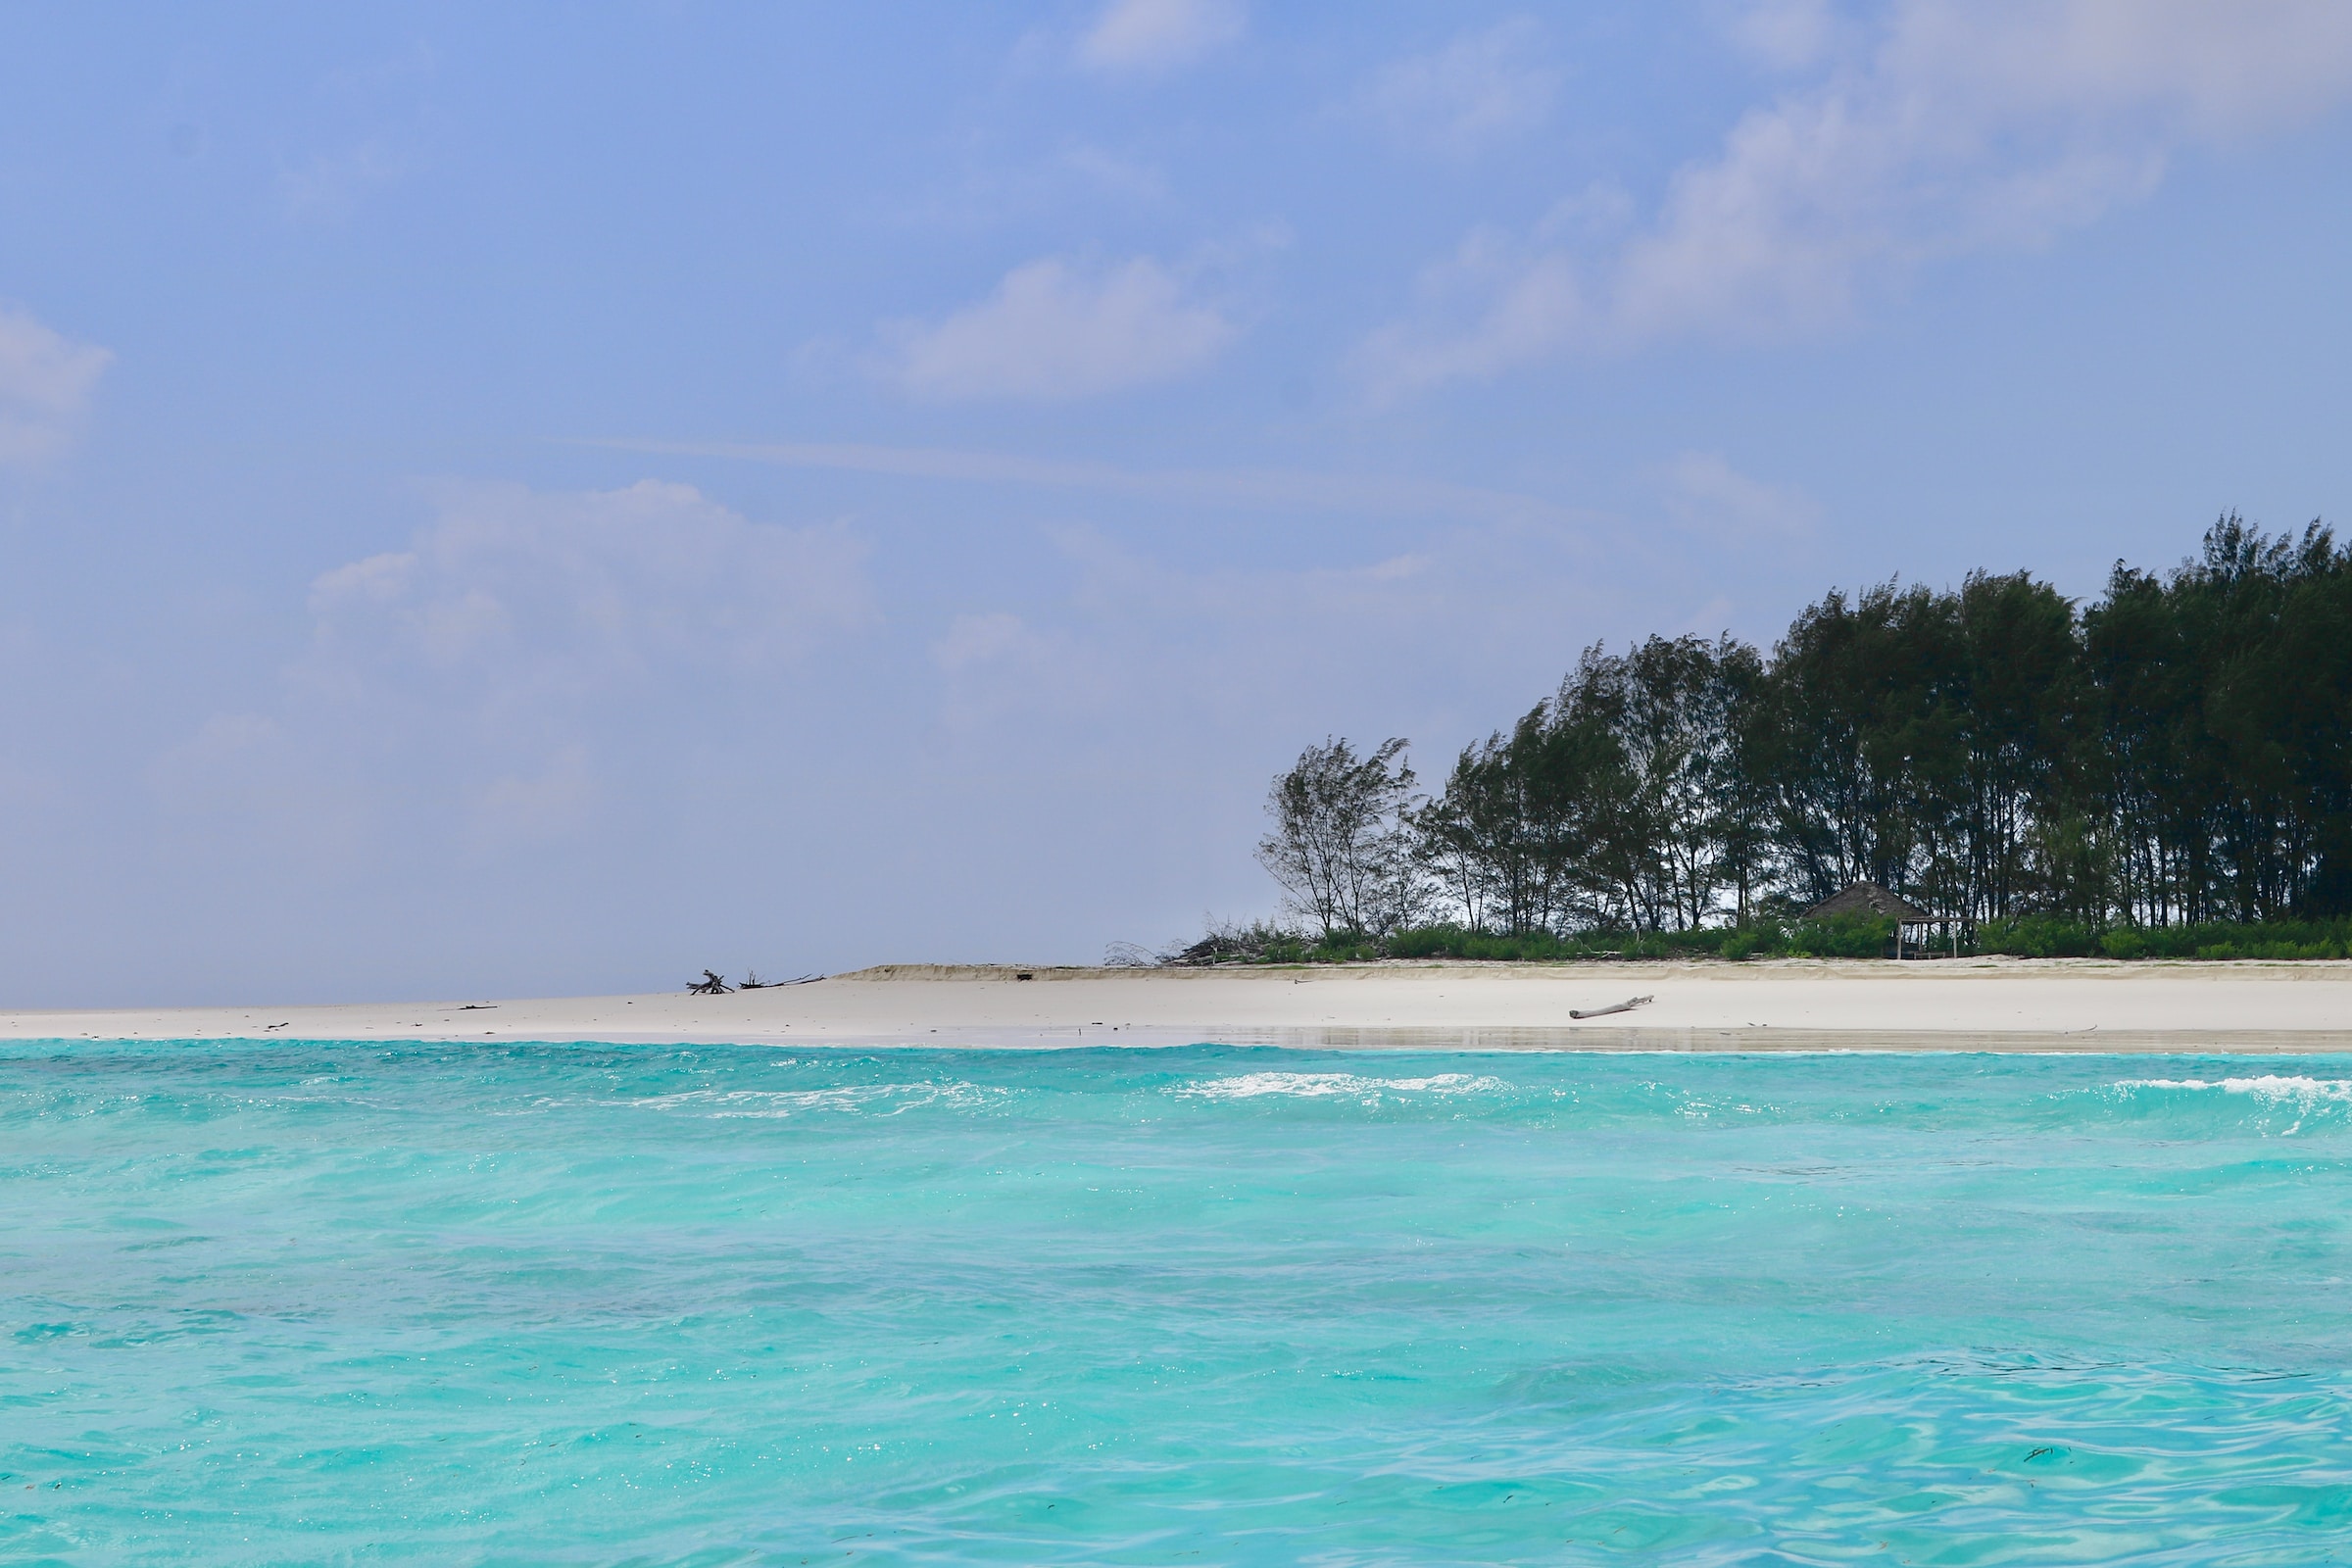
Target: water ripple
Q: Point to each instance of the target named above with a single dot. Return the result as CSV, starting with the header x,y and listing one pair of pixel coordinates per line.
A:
x,y
309,1302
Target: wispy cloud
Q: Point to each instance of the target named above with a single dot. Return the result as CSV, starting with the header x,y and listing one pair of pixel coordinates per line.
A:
x,y
537,594
1057,329
379,111
1495,304
1785,34
997,665
501,654
46,380
1135,35
1954,128
1391,495
1511,604
1702,490
330,186
1482,88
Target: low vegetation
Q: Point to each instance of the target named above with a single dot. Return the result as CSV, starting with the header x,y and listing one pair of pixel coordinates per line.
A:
x,y
1765,937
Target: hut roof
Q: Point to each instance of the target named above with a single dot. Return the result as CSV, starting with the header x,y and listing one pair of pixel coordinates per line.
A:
x,y
1868,898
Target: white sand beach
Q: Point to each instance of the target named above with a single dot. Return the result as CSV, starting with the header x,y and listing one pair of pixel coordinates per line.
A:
x,y
1988,1004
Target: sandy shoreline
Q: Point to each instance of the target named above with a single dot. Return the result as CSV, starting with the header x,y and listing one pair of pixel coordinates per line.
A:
x,y
1991,1004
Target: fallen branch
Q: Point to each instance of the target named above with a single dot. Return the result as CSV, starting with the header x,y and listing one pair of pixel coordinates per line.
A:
x,y
752,982
710,984
1626,1005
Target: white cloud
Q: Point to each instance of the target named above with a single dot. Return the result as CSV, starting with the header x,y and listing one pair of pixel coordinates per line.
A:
x,y
45,384
1055,331
330,186
1784,33
1361,490
977,640
1956,126
2194,67
1106,172
1159,34
373,130
998,665
1482,88
379,579
1491,306
1380,635
547,593
1705,491
527,644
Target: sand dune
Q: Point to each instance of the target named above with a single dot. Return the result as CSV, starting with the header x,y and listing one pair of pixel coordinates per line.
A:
x,y
1995,1004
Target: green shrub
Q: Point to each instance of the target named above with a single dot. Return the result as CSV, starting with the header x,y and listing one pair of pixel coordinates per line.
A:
x,y
2124,942
1846,936
2053,937
2032,936
2039,936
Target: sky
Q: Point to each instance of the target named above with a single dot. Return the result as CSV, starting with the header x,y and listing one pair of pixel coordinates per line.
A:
x,y
543,498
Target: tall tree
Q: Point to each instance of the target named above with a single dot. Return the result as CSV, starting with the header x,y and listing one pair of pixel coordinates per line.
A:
x,y
2180,750
1852,738
1662,714
1341,846
2019,699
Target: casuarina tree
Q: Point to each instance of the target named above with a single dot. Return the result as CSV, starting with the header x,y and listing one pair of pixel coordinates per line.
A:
x,y
1341,848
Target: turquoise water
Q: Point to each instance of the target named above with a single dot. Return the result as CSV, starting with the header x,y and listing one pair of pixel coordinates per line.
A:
x,y
309,1303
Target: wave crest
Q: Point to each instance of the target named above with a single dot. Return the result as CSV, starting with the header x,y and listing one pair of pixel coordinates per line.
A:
x,y
2269,1086
1339,1085
768,1105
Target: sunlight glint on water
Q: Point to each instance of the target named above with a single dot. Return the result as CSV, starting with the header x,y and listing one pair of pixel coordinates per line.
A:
x,y
305,1302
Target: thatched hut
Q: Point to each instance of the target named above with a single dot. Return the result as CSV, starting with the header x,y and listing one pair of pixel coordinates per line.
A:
x,y
1869,898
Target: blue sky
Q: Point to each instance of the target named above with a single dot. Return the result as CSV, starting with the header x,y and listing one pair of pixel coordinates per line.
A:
x,y
508,500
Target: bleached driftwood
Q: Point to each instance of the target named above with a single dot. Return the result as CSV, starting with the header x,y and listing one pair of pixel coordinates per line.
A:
x,y
1626,1005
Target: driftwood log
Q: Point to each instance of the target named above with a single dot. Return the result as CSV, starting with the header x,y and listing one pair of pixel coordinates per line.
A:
x,y
1626,1005
712,985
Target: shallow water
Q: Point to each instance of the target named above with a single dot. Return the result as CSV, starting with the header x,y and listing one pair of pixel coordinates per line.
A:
x,y
339,1302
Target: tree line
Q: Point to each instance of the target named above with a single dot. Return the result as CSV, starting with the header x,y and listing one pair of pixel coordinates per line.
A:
x,y
2177,752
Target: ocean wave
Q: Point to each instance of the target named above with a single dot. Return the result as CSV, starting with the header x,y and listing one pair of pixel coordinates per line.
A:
x,y
2269,1086
887,1100
1338,1084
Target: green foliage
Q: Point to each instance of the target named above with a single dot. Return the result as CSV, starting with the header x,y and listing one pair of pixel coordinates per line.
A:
x,y
1846,937
2166,772
1341,847
2055,937
2034,936
2124,942
1551,947
2039,936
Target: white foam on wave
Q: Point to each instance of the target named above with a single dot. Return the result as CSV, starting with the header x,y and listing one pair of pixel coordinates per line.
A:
x,y
2269,1086
1337,1085
886,1100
